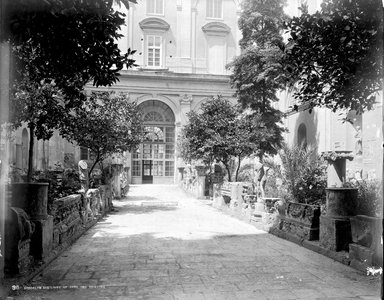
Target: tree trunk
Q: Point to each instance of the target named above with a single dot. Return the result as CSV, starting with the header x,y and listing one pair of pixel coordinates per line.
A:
x,y
238,168
93,166
30,152
228,171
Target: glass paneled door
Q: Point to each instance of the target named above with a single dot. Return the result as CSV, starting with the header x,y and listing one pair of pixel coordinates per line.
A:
x,y
154,160
147,171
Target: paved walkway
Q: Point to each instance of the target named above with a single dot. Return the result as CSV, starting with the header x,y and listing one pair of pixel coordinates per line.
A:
x,y
162,244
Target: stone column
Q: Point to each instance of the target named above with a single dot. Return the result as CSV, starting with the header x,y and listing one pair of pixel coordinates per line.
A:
x,y
238,31
193,38
183,30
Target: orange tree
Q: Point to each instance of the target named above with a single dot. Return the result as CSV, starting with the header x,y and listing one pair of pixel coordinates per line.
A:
x,y
221,133
106,124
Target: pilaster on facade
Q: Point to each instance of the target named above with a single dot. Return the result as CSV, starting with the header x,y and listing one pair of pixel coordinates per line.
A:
x,y
185,101
193,38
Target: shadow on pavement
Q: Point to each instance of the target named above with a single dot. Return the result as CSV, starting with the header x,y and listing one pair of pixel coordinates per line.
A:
x,y
135,209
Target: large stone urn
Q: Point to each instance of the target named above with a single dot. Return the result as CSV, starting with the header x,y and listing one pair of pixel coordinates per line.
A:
x,y
32,197
336,169
341,202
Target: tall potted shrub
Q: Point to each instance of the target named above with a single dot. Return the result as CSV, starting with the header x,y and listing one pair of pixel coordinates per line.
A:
x,y
303,174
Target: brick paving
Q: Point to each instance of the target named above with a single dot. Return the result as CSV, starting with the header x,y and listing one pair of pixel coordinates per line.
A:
x,y
163,244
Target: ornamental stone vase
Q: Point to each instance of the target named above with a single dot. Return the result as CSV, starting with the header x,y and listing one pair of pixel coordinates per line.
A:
x,y
336,169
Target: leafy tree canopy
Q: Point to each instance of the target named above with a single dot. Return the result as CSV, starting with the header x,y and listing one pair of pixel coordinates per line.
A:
x,y
59,47
257,71
106,123
73,42
220,132
334,56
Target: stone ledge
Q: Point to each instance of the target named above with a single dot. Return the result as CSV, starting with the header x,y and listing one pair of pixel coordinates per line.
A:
x,y
341,256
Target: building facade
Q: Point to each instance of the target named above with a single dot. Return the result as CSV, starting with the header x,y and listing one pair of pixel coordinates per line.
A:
x,y
182,48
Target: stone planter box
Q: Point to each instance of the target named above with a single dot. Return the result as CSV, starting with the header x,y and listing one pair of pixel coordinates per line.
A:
x,y
366,249
301,220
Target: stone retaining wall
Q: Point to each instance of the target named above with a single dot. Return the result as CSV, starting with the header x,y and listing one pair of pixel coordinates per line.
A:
x,y
36,239
301,220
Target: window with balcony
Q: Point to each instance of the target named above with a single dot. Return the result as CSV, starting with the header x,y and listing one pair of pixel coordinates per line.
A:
x,y
214,9
155,7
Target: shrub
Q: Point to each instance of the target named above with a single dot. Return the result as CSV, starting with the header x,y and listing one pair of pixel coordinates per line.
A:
x,y
61,183
303,174
246,173
369,197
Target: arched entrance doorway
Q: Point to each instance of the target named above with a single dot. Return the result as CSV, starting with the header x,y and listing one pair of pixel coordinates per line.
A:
x,y
154,161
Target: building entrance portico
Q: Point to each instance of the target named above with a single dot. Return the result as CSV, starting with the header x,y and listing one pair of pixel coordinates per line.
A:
x,y
154,160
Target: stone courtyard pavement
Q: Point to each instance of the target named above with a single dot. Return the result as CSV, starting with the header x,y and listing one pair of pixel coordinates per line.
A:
x,y
163,244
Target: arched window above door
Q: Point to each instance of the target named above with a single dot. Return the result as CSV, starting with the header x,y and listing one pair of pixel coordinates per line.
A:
x,y
153,116
155,111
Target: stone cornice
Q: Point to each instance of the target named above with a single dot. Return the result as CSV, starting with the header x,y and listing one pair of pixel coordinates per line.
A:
x,y
154,24
174,76
216,28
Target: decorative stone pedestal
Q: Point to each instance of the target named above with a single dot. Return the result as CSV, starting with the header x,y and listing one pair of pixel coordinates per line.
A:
x,y
335,226
335,233
259,211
